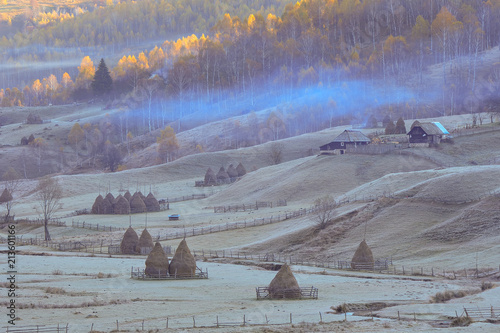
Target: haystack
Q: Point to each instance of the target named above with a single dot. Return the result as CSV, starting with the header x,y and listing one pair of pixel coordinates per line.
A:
x,y
210,178
127,196
5,197
110,197
139,193
137,205
157,261
106,207
232,173
222,176
121,205
363,257
183,263
241,170
129,241
97,204
145,241
151,203
284,284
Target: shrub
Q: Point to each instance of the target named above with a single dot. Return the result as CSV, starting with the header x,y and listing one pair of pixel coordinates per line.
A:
x,y
486,285
461,321
442,297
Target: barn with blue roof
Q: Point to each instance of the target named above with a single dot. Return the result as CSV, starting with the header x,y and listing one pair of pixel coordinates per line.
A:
x,y
425,134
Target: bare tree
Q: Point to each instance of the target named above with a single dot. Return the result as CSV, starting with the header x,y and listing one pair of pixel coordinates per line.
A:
x,y
324,210
48,195
12,179
275,154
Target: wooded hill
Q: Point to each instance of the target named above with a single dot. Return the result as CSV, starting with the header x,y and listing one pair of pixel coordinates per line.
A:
x,y
319,57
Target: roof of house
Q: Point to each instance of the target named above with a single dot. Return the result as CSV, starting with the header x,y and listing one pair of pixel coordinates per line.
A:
x,y
432,128
351,136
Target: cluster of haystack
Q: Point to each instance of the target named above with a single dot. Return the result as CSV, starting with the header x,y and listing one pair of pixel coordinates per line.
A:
x,y
224,176
182,264
125,204
363,257
133,244
284,284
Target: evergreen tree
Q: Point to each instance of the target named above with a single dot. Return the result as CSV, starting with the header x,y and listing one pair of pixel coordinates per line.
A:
x,y
400,126
390,128
102,82
372,122
386,120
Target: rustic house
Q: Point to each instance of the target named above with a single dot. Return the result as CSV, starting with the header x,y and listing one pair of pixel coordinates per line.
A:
x,y
347,138
425,134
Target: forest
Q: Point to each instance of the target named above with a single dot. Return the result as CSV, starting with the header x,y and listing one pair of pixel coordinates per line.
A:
x,y
322,62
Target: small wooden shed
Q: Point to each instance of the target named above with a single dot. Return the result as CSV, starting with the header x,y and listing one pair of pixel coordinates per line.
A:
x,y
347,138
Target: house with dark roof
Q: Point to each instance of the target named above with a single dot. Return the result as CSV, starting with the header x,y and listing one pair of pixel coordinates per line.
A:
x,y
348,138
425,134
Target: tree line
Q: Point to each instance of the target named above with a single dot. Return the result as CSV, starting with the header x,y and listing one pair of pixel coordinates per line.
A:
x,y
314,43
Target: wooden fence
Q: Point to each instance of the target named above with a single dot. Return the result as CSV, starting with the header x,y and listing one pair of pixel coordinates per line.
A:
x,y
56,222
197,231
96,227
483,313
186,198
37,328
245,207
375,149
307,292
140,274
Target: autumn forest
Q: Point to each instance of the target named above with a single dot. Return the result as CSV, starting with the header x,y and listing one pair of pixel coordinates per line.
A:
x,y
319,63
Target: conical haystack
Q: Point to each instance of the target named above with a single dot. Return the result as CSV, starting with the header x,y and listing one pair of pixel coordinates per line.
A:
x,y
210,178
97,204
139,193
151,203
129,242
127,195
121,205
284,284
105,207
241,170
157,262
137,205
145,241
110,197
5,197
232,173
183,263
222,176
363,257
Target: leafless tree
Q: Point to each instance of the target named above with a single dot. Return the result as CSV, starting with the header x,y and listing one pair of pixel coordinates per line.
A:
x,y
275,154
324,210
12,179
48,195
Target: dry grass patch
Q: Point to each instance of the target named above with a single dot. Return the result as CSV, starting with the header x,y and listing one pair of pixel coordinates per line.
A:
x,y
442,297
55,291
